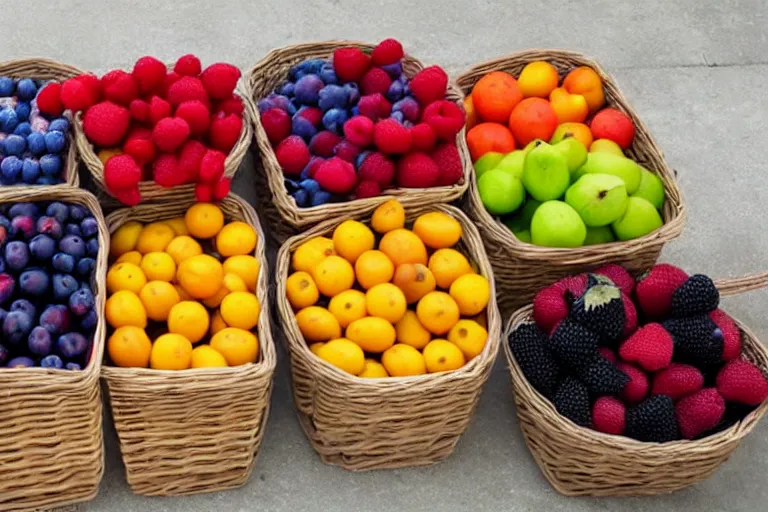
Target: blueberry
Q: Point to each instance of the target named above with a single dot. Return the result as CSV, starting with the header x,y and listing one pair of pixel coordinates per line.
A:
x,y
60,124
4,355
55,142
42,247
73,366
7,86
355,111
332,96
89,321
21,362
39,341
48,180
10,169
81,301
58,210
23,210
313,65
403,78
64,285
36,143
92,247
334,120
395,91
26,89
307,89
24,306
301,196
51,164
16,327
16,256
361,158
15,145
23,109
52,361
23,129
64,262
8,120
287,89
398,116
310,185
353,93
328,74
30,170
89,227
56,319
394,70
77,213
302,127
73,229
49,226
34,282
2,263
291,185
320,197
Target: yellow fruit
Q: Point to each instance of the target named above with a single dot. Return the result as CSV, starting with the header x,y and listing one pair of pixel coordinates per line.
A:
x,y
344,355
201,276
182,248
403,361
158,266
124,239
310,253
158,297
183,295
388,216
472,293
469,336
231,283
442,356
374,335
386,301
372,268
125,276
301,290
125,308
238,346
437,230
333,275
129,347
206,356
351,239
447,265
315,347
217,323
410,331
437,312
348,306
106,154
241,310
178,226
154,237
236,239
318,324
130,257
204,220
415,280
247,267
190,319
403,246
373,370
171,352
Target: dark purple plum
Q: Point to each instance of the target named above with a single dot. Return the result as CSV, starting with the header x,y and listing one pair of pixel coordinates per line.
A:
x,y
92,247
73,229
52,361
5,222
16,256
73,366
58,210
24,210
34,282
21,362
2,263
64,285
89,321
24,225
7,286
85,267
56,319
81,302
42,247
74,245
24,306
77,212
89,227
3,314
50,226
16,327
72,345
63,262
39,341
4,355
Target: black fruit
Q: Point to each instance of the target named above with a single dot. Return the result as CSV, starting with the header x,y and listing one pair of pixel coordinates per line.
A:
x,y
572,401
698,295
573,345
603,378
601,310
653,420
698,341
528,345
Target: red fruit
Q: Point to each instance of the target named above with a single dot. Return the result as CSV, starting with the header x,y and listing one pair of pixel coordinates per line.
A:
x,y
225,131
374,107
166,172
138,131
742,382
417,170
630,316
550,307
196,114
350,64
699,412
220,79
129,196
149,74
277,124
731,334
121,172
139,110
336,176
392,138
651,347
613,125
204,192
233,105
170,133
312,114
637,389
106,123
119,87
609,415
447,158
313,165
359,131
142,150
423,137
367,189
607,354
221,188
158,109
190,156
677,381
619,276
323,143
292,155
186,88
375,80
347,151
445,117
386,52
377,167
654,289
170,79
49,100
92,85
76,95
212,166
576,285
187,65
429,84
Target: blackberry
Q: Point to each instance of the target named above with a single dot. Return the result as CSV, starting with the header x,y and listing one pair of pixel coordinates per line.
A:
x,y
572,401
603,378
653,421
698,295
528,346
698,341
601,310
573,344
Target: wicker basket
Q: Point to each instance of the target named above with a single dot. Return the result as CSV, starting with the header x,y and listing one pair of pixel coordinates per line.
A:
x,y
579,461
44,69
362,424
52,451
281,210
522,269
193,431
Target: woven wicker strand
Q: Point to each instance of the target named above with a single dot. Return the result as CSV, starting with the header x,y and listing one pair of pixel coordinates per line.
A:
x,y
45,69
362,424
522,269
579,461
193,431
279,207
52,450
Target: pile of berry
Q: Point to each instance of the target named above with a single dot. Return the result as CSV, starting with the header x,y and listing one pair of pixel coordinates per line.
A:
x,y
33,144
48,253
173,127
655,360
354,126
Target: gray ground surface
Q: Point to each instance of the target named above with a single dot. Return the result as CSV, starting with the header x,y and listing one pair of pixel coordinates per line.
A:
x,y
694,69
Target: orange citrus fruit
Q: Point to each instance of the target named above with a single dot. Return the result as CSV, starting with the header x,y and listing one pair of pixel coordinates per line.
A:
x,y
130,257
154,237
178,226
125,308
415,279
125,276
410,331
206,356
373,370
386,301
158,297
437,230
437,312
301,290
247,267
333,275
231,283
171,352
217,323
403,361
158,266
347,307
318,324
201,276
447,265
442,356
204,220
351,239
372,268
373,334
388,216
469,336
190,319
486,137
343,354
236,239
182,248
124,239
310,253
471,293
129,347
241,310
403,246
495,95
238,346
538,78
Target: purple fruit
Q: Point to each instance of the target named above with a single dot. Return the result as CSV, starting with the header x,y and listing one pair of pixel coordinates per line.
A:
x,y
393,70
25,225
72,366
59,211
16,327
52,361
24,306
77,212
353,93
334,119
64,285
42,247
56,319
85,267
89,321
307,89
39,341
50,226
63,262
72,345
3,314
302,127
16,255
7,286
21,362
4,355
92,247
89,227
74,245
34,282
23,210
81,301
73,229
409,107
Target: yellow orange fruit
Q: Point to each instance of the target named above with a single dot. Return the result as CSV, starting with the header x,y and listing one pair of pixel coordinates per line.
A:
x,y
372,268
578,131
247,267
351,239
347,307
318,324
495,95
182,248
374,335
469,108
241,310
447,265
437,230
204,220
201,276
344,355
171,352
178,226
386,301
486,137
442,356
403,361
310,253
471,293
388,216
206,356
410,331
585,81
190,319
238,346
569,108
415,280
373,370
538,78
155,237
158,297
403,246
217,323
437,312
129,347
125,308
130,257
231,283
124,239
183,295
469,336
236,239
301,290
125,276
158,266
315,347
333,275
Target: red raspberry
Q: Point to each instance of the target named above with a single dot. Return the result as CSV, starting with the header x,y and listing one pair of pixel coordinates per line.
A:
x,y
386,52
292,155
277,124
121,172
225,131
350,64
221,189
220,80
158,109
166,172
429,84
377,167
233,105
196,114
323,143
76,95
376,80
204,192
423,137
374,107
336,176
190,156
119,87
212,166
129,196
391,137
49,100
139,110
105,124
447,158
417,170
347,151
359,131
187,65
142,150
445,117
609,415
170,133
149,74
366,189
187,88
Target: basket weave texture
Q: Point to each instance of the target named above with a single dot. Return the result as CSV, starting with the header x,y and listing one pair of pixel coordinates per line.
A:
x,y
199,430
522,269
362,424
280,208
45,69
579,461
52,451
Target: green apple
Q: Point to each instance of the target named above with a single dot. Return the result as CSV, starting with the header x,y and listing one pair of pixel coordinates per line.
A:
x,y
556,224
651,188
600,199
513,163
605,146
518,228
574,152
607,163
487,162
545,173
528,209
500,192
599,235
640,219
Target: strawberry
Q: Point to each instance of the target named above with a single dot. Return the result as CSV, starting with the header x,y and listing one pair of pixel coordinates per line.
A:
x,y
212,166
170,133
445,117
292,154
336,176
423,137
225,131
196,114
731,334
220,79
655,288
637,389
550,307
609,415
651,347
677,380
699,412
742,382
119,87
359,131
105,124
619,276
277,124
350,64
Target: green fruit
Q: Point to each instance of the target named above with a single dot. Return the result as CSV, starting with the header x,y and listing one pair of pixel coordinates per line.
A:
x,y
605,146
599,235
574,152
607,163
532,144
518,227
526,213
640,219
500,192
600,199
556,224
545,174
524,235
487,162
513,163
651,188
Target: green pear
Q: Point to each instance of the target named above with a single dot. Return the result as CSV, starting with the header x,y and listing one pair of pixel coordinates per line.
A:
x,y
599,235
574,152
640,218
545,173
556,224
520,222
605,146
600,199
607,163
513,163
651,188
500,192
528,209
487,162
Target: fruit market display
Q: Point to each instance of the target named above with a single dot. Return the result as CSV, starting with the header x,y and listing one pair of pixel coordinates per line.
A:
x,y
549,159
47,255
652,359
33,143
390,301
354,126
171,126
182,292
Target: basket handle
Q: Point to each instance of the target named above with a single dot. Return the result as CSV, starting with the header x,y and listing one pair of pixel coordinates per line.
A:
x,y
737,285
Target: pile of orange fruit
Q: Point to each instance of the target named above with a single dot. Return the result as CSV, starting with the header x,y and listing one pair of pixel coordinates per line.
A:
x,y
188,283
390,301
